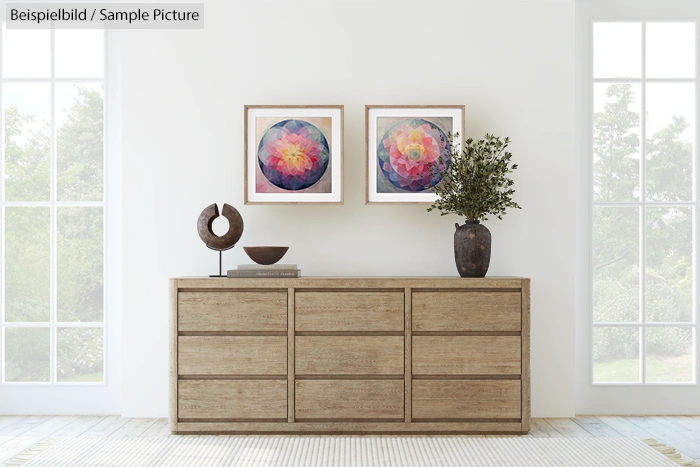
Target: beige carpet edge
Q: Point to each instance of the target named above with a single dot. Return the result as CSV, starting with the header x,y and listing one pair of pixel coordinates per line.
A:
x,y
31,452
671,453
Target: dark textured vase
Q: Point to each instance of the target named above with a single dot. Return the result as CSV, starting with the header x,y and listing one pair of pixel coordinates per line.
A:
x,y
472,249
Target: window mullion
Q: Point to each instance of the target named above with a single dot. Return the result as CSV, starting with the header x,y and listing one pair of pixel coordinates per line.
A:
x,y
52,201
643,212
696,173
2,224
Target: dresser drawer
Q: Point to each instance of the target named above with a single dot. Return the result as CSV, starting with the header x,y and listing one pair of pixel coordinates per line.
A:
x,y
348,355
466,355
349,399
222,399
232,311
472,399
466,311
349,311
232,355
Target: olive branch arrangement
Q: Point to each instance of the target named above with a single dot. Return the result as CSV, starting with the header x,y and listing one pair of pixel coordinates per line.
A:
x,y
475,181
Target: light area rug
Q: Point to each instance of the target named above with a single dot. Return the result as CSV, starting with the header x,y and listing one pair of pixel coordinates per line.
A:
x,y
360,451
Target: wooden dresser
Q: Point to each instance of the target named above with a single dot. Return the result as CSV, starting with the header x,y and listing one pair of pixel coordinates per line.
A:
x,y
350,355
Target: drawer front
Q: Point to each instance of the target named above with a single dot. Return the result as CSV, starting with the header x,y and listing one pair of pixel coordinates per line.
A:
x,y
349,399
232,355
473,399
466,355
466,311
211,399
349,311
232,311
348,355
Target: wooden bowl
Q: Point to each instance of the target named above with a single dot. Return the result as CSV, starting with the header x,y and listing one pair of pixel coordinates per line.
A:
x,y
265,254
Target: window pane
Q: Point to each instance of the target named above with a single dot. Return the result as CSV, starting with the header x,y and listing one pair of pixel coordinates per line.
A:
x,y
27,147
27,355
670,50
669,264
79,142
79,243
669,354
26,53
616,136
617,50
615,264
80,354
79,53
616,355
670,140
27,264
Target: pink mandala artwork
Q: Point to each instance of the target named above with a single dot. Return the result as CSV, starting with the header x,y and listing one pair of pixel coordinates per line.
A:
x,y
408,153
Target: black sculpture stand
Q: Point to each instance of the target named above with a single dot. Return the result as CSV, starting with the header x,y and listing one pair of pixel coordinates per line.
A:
x,y
221,272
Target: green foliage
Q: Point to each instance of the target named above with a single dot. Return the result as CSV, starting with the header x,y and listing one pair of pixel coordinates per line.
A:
x,y
79,241
27,258
475,182
27,354
79,353
27,150
616,147
668,276
80,264
79,148
669,164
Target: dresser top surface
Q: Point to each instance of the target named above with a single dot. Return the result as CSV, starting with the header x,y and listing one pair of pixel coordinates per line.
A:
x,y
353,282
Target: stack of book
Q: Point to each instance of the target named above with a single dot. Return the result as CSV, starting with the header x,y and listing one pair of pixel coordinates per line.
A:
x,y
261,270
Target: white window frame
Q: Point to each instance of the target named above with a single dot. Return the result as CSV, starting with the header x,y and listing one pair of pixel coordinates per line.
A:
x,y
641,397
76,397
642,204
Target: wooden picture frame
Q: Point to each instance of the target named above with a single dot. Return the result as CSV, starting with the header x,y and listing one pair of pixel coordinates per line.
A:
x,y
386,130
293,154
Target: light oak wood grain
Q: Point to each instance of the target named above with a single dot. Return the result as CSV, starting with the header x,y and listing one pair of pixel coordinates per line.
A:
x,y
160,429
408,388
232,355
349,399
525,355
172,376
466,355
346,355
79,426
466,311
44,428
232,311
232,399
450,399
109,425
134,428
351,283
349,311
291,316
350,427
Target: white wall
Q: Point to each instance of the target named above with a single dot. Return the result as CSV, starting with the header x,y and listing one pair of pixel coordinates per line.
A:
x,y
510,63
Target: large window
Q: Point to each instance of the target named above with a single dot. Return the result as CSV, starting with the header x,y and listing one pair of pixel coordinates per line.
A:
x,y
52,314
644,203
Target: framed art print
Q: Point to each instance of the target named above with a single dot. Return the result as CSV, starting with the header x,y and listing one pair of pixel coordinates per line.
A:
x,y
293,154
403,145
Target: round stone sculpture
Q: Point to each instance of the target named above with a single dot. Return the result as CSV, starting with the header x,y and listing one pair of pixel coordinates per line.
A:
x,y
229,239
